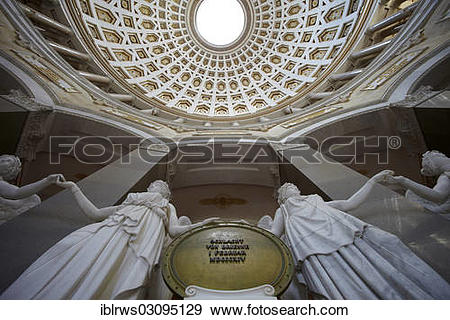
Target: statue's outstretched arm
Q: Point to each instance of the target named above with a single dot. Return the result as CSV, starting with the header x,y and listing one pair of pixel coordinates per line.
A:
x,y
439,194
88,208
276,226
266,222
362,194
13,192
278,223
176,229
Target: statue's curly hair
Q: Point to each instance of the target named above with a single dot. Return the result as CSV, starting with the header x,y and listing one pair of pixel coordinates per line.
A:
x,y
284,193
11,172
428,157
163,187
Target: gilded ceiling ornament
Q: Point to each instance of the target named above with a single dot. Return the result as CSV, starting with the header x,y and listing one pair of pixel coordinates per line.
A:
x,y
222,201
152,49
99,101
222,132
179,128
345,97
309,116
40,64
130,117
393,70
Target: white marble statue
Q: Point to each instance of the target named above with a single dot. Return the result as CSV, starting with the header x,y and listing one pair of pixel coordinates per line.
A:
x,y
16,200
436,199
112,259
342,257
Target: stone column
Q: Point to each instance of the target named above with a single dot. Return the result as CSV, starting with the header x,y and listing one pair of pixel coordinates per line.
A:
x,y
427,234
25,238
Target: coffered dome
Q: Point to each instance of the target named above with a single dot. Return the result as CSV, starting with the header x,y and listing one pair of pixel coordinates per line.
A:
x,y
154,50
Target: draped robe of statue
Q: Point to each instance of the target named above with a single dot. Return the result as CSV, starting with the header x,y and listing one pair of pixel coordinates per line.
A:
x,y
112,259
345,258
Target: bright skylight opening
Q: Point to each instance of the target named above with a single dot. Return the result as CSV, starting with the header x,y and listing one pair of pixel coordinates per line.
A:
x,y
220,22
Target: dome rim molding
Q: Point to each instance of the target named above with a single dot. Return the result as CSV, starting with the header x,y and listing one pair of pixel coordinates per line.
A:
x,y
71,11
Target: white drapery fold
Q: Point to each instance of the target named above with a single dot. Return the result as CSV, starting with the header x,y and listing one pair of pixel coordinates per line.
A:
x,y
112,259
344,258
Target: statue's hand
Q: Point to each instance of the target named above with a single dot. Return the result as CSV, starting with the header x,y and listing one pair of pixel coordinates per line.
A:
x,y
55,178
393,180
67,185
210,220
383,176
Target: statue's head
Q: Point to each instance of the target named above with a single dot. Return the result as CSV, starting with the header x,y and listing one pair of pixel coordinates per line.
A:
x,y
184,221
286,191
434,163
9,166
160,187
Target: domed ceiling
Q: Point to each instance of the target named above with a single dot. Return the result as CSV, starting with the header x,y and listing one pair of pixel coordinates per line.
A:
x,y
153,49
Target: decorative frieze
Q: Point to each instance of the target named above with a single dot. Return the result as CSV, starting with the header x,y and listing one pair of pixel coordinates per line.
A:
x,y
45,70
401,62
309,116
35,126
131,117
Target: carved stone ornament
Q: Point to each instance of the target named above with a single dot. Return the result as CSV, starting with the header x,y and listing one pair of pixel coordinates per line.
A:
x,y
414,40
263,292
100,102
274,170
170,172
180,129
308,116
33,132
130,117
445,14
34,129
394,69
345,97
155,147
25,43
20,98
222,201
417,96
41,65
242,132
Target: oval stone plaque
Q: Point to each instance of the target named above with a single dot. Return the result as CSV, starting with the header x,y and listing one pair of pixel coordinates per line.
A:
x,y
227,256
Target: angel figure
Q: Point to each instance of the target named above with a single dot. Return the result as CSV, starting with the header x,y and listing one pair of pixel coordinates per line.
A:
x,y
436,199
16,200
111,259
342,257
